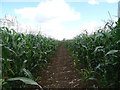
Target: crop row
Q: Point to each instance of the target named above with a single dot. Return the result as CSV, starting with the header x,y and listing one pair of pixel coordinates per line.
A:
x,y
22,55
97,56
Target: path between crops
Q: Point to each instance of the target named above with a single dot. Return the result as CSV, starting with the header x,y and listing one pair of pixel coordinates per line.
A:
x,y
60,72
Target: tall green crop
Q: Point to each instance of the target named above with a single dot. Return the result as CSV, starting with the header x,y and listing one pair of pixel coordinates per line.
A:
x,y
22,55
97,56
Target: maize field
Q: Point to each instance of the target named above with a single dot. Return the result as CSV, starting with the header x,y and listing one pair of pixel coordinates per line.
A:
x,y
97,56
21,56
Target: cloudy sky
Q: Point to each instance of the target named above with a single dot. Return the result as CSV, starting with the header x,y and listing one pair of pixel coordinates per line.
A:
x,y
61,18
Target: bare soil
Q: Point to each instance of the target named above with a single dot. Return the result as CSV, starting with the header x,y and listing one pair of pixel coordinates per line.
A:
x,y
60,72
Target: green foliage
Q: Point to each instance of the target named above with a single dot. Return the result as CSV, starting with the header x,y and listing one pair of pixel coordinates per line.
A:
x,y
24,80
23,54
97,56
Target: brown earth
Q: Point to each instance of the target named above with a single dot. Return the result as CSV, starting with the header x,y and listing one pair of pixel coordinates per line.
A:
x,y
60,72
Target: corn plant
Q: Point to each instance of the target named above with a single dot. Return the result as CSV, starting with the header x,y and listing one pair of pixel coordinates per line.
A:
x,y
22,55
97,56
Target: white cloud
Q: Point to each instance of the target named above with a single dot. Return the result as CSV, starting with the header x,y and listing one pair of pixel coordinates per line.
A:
x,y
59,31
99,1
109,1
92,2
112,1
91,27
50,10
50,15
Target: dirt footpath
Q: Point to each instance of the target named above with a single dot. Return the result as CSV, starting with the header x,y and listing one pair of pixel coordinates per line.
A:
x,y
60,72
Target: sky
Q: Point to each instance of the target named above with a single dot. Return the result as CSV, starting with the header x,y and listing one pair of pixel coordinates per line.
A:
x,y
60,18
